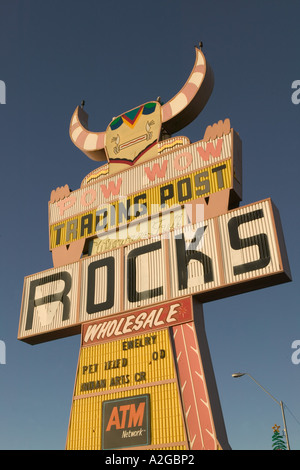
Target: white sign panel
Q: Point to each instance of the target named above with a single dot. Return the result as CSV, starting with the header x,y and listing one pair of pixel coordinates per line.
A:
x,y
234,253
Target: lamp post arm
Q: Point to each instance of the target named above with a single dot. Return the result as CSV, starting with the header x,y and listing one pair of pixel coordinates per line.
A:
x,y
278,403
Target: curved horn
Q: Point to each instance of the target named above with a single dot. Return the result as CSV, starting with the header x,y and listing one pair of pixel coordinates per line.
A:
x,y
90,143
184,107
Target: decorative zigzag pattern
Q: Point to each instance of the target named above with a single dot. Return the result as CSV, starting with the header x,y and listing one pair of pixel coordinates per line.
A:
x,y
193,388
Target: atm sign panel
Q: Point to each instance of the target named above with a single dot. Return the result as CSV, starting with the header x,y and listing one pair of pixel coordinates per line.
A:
x,y
126,422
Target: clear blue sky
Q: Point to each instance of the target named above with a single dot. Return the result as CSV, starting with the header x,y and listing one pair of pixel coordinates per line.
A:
x,y
115,56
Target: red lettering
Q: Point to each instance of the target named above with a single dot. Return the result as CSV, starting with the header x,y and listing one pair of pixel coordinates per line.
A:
x,y
157,171
114,419
92,198
65,204
112,188
124,409
189,159
136,416
215,152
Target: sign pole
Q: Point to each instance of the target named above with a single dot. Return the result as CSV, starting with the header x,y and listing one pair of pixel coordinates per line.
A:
x,y
203,413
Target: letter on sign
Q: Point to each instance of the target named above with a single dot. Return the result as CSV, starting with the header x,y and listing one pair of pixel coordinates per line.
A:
x,y
237,243
61,296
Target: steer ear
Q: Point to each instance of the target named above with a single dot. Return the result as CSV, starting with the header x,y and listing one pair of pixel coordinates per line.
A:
x,y
90,143
184,107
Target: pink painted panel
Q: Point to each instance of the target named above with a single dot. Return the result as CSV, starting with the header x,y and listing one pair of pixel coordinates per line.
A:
x,y
194,391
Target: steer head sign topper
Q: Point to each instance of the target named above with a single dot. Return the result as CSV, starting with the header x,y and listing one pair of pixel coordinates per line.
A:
x,y
134,135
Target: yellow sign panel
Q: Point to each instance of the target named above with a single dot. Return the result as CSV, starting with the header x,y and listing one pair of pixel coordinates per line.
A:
x,y
145,203
132,361
131,368
155,226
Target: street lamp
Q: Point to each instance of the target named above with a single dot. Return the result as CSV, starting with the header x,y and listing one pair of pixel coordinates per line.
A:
x,y
241,374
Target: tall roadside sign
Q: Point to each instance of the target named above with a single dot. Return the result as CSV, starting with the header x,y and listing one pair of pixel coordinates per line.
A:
x,y
152,234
